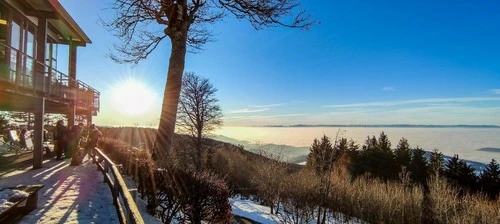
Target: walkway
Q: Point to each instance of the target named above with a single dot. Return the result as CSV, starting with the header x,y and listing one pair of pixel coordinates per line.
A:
x,y
71,194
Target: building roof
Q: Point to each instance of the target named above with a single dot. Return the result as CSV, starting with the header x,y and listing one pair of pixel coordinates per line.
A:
x,y
58,19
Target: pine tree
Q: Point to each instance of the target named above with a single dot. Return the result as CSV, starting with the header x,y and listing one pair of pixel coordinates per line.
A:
x,y
321,155
370,143
418,166
452,170
377,158
436,163
467,178
383,142
490,179
402,155
460,174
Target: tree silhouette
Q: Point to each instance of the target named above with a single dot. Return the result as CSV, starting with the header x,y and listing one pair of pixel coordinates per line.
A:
x,y
321,155
490,179
402,155
436,163
142,24
418,166
460,175
198,111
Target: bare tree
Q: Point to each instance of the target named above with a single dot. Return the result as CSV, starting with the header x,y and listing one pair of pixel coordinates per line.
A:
x,y
198,112
143,24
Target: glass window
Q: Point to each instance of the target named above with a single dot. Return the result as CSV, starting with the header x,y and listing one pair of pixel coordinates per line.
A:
x,y
16,35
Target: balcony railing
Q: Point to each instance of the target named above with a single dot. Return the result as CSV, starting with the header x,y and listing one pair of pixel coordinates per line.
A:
x,y
23,73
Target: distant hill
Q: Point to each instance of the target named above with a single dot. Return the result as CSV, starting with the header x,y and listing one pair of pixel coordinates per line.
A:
x,y
390,126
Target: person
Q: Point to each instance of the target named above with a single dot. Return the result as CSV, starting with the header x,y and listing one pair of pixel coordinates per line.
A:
x,y
60,137
22,138
74,143
92,140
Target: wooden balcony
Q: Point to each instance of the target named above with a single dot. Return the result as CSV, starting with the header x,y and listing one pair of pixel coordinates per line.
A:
x,y
23,80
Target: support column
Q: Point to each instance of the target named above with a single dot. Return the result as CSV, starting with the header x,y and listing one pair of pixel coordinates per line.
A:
x,y
41,40
71,115
38,133
73,85
89,118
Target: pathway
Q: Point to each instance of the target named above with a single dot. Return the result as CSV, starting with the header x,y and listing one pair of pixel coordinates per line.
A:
x,y
71,194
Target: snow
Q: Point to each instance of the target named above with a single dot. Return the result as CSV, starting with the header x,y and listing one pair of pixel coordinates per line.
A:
x,y
72,194
259,213
249,209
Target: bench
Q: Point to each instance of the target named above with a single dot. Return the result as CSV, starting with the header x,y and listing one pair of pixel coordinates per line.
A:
x,y
21,206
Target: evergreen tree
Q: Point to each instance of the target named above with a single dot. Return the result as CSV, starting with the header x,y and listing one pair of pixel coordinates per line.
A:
x,y
370,143
321,155
467,178
352,145
376,158
490,179
436,163
460,174
402,155
418,166
384,143
452,170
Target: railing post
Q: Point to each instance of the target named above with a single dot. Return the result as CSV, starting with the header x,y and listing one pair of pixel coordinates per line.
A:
x,y
133,192
120,167
136,170
105,170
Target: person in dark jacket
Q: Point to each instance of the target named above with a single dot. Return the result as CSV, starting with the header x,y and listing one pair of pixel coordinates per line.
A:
x,y
60,137
74,143
92,140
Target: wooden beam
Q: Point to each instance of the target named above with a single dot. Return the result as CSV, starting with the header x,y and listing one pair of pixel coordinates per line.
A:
x,y
42,14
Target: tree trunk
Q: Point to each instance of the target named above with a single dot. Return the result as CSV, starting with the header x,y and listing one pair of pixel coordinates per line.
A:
x,y
199,166
165,135
318,221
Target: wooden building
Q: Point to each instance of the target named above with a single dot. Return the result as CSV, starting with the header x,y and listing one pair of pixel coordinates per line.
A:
x,y
30,33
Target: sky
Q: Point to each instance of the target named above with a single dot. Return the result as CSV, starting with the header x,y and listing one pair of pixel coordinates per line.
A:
x,y
389,62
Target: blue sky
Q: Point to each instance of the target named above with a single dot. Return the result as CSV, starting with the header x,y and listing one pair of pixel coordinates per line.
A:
x,y
389,62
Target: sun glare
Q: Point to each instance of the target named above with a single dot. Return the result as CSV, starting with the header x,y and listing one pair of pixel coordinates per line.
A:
x,y
132,97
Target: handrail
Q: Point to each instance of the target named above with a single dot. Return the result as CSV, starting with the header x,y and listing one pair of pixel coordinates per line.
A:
x,y
26,72
118,188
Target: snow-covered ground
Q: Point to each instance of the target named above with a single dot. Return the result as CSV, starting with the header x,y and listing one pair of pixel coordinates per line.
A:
x,y
72,194
259,213
250,209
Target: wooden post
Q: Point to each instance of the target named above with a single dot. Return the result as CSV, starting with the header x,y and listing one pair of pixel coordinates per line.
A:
x,y
133,192
73,85
130,216
38,135
41,40
89,117
136,171
105,171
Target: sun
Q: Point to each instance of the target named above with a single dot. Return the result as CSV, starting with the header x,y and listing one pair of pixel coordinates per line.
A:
x,y
132,97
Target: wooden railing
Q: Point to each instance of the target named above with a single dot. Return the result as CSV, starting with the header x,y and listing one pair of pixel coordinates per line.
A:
x,y
26,73
122,198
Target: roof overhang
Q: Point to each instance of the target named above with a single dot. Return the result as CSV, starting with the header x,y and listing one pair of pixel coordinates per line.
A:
x,y
58,19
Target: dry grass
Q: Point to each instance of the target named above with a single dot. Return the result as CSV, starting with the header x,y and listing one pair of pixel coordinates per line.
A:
x,y
374,201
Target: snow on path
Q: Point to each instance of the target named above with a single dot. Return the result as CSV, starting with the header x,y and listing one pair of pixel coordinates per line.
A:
x,y
72,194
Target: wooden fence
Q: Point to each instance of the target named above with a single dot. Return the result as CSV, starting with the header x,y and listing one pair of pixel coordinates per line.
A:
x,y
122,197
